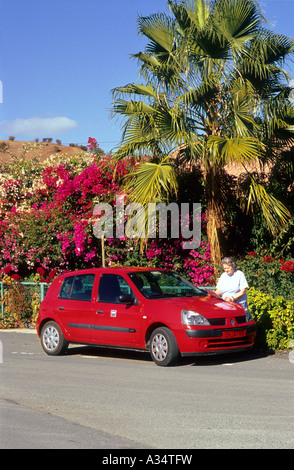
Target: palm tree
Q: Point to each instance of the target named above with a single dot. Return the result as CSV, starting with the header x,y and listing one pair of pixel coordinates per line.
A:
x,y
215,92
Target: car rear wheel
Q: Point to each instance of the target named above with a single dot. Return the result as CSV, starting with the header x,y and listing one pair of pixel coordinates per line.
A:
x,y
163,347
52,339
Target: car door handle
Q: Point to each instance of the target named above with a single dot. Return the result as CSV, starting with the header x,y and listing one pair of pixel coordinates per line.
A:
x,y
60,308
99,311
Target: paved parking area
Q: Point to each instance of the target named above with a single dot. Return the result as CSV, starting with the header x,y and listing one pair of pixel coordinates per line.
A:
x,y
100,398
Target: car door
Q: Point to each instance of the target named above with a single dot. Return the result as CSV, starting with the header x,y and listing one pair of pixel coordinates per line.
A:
x,y
118,316
74,306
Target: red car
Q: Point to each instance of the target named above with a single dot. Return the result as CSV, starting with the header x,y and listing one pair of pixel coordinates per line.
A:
x,y
141,308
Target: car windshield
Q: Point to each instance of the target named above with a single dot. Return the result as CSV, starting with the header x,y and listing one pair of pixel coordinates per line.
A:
x,y
164,284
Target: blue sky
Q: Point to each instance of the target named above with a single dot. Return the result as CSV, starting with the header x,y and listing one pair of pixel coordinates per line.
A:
x,y
59,60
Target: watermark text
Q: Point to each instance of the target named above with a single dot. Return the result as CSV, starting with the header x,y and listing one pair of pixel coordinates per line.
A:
x,y
158,219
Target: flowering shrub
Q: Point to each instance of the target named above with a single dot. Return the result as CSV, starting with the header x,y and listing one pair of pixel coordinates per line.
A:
x,y
50,216
21,301
195,265
287,266
92,144
199,266
269,274
18,309
46,219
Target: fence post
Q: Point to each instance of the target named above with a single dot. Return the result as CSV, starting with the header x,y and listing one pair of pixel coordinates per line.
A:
x,y
42,292
2,295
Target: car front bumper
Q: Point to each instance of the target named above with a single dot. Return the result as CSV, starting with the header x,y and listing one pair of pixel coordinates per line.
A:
x,y
218,341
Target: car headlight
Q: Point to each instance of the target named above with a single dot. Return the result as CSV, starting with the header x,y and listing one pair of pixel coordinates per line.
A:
x,y
193,318
248,316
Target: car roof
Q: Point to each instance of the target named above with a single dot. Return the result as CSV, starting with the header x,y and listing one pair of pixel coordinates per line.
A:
x,y
111,270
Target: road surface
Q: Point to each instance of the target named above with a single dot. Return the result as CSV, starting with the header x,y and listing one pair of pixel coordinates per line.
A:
x,y
95,398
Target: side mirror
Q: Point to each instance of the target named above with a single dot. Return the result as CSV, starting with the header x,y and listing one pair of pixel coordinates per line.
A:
x,y
126,299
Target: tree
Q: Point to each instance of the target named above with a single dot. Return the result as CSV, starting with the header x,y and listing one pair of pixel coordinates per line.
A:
x,y
215,92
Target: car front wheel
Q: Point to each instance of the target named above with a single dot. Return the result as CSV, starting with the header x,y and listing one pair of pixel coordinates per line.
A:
x,y
163,347
52,339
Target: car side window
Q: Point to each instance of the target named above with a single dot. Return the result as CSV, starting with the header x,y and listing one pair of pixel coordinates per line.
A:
x,y
146,284
77,287
66,288
111,287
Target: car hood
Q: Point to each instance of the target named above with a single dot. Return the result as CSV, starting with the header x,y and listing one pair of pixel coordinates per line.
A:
x,y
208,306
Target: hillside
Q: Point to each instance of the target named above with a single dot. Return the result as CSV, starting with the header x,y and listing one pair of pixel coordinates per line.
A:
x,y
43,150
30,150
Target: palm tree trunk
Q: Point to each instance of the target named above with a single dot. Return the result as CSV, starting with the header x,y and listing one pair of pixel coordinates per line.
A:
x,y
214,214
212,233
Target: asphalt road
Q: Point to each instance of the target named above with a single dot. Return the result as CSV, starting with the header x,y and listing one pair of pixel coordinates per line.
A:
x,y
96,398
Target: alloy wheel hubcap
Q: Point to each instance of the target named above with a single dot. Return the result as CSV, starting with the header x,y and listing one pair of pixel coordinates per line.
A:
x,y
51,338
159,347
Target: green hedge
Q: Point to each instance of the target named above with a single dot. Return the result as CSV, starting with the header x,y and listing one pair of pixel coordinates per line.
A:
x,y
274,317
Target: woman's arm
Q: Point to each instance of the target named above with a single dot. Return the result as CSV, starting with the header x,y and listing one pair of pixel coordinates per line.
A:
x,y
237,296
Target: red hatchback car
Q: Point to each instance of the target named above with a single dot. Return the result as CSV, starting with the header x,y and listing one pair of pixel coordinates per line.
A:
x,y
141,308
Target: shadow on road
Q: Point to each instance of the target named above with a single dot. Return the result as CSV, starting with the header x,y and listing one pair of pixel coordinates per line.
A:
x,y
144,356
220,359
111,353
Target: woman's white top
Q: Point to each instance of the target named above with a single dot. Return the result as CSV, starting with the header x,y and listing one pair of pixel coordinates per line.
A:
x,y
231,285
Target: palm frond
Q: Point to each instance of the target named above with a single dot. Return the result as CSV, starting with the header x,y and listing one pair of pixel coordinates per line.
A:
x,y
167,73
243,102
194,15
135,89
152,182
239,150
275,213
203,93
237,20
160,29
131,108
265,53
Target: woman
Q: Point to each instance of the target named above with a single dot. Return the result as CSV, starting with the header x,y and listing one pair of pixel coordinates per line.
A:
x,y
232,285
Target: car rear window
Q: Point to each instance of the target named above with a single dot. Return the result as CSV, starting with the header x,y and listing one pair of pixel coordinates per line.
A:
x,y
77,287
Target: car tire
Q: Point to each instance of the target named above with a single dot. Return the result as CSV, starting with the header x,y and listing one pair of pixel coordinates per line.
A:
x,y
163,347
52,339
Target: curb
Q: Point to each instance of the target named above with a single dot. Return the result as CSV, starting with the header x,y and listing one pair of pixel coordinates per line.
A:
x,y
19,330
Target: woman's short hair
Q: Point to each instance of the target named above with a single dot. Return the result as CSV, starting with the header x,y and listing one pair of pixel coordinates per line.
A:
x,y
230,260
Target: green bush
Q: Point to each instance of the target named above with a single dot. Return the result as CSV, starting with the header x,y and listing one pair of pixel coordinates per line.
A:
x,y
274,318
